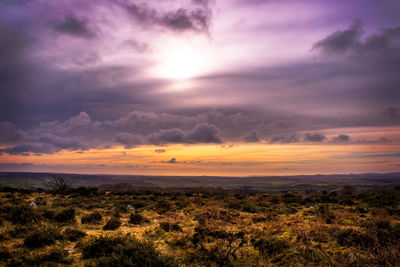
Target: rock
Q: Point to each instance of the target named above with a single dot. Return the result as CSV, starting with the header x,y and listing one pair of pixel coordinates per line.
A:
x,y
351,258
69,250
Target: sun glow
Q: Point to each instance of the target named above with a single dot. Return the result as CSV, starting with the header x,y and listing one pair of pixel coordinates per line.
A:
x,y
181,60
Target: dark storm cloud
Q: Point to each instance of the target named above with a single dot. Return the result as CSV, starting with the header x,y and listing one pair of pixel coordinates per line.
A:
x,y
25,149
314,137
183,20
285,139
342,41
393,114
62,142
395,155
81,133
47,143
12,41
251,137
382,46
173,135
375,60
204,133
128,139
15,40
74,26
201,133
179,20
341,138
51,137
9,133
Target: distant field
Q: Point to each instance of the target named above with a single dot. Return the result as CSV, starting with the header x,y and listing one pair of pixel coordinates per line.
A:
x,y
265,184
262,184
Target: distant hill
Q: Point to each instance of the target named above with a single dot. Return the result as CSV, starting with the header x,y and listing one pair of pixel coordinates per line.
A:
x,y
265,183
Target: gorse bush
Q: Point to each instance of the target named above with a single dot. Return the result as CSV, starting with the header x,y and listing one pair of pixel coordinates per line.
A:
x,y
52,257
55,255
92,218
66,215
72,234
122,251
137,218
234,205
170,227
163,206
269,246
47,213
217,247
41,238
5,253
351,237
112,224
99,247
259,218
303,257
23,214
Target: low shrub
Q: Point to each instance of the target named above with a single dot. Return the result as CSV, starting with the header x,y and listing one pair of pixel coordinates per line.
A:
x,y
163,206
215,214
269,246
19,231
138,204
55,255
119,251
137,218
351,237
178,242
3,237
23,215
92,218
234,205
66,215
47,213
112,224
41,238
5,253
170,227
303,257
72,234
259,218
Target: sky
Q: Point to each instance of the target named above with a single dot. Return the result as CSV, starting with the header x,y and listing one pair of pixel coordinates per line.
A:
x,y
200,87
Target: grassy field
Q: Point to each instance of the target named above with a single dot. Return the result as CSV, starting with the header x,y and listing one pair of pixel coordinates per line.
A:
x,y
84,227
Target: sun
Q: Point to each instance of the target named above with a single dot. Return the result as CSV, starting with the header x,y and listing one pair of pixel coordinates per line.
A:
x,y
182,60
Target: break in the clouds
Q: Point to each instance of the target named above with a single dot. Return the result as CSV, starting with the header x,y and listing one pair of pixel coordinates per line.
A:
x,y
77,76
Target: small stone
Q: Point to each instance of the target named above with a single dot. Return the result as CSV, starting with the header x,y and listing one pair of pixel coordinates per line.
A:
x,y
351,258
69,250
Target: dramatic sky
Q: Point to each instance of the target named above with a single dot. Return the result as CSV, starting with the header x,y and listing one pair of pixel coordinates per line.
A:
x,y
200,87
